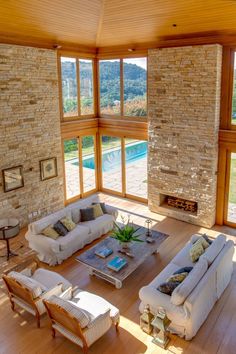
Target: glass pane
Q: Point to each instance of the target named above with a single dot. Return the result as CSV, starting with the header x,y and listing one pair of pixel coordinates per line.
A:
x,y
111,163
234,94
136,167
69,87
71,159
88,156
86,86
232,190
109,75
135,87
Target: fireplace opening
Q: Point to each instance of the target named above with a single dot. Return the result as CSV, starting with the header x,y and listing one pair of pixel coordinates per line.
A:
x,y
181,204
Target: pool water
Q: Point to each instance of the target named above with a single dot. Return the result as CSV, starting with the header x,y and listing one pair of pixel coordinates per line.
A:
x,y
111,158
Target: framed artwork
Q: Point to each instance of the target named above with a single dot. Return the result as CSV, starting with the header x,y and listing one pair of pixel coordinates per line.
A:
x,y
48,168
12,178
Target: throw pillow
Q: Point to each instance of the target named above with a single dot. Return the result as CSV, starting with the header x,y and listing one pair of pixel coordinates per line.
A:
x,y
76,216
203,242
168,287
196,251
177,277
207,239
50,232
68,223
183,270
97,210
60,228
87,214
103,206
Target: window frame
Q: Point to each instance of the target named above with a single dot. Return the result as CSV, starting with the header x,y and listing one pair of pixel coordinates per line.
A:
x,y
77,57
121,116
79,138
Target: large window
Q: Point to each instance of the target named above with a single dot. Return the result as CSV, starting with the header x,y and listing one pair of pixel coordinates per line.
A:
x,y
111,163
231,214
80,166
124,166
123,87
77,87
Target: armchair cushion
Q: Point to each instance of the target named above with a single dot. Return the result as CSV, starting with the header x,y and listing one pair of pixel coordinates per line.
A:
x,y
72,309
49,279
29,283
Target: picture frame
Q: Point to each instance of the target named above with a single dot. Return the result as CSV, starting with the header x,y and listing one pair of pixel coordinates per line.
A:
x,y
48,168
12,178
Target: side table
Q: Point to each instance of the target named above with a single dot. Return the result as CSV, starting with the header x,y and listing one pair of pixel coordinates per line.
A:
x,y
9,228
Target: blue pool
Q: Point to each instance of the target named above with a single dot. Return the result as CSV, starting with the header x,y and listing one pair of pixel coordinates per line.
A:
x,y
111,158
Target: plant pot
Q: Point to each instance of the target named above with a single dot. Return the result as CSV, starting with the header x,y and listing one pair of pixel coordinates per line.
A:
x,y
125,246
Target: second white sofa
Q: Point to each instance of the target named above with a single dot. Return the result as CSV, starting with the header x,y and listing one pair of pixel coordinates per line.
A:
x,y
191,302
54,252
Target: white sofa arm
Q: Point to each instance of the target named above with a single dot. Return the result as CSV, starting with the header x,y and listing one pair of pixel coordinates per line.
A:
x,y
56,290
100,319
155,299
42,244
112,211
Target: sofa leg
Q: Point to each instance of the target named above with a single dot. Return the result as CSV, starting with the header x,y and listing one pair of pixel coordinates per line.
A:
x,y
53,333
85,349
117,326
38,320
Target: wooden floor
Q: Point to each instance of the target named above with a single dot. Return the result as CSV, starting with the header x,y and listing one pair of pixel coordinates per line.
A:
x,y
19,335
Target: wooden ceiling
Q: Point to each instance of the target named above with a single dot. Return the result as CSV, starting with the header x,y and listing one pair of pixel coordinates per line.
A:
x,y
105,23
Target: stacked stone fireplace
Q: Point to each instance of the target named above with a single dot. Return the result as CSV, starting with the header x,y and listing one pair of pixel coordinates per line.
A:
x,y
184,103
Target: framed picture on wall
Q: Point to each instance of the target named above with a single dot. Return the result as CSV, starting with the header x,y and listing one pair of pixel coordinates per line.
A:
x,y
12,178
48,168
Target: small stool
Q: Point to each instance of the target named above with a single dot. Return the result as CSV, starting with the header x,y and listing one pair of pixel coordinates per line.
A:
x,y
9,228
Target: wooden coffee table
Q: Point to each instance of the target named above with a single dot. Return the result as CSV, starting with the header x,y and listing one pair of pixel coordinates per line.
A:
x,y
141,250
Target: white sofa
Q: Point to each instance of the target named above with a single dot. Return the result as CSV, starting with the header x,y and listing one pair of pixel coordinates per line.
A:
x,y
54,252
191,302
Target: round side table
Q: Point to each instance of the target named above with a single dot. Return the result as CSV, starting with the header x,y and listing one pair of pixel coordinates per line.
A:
x,y
9,228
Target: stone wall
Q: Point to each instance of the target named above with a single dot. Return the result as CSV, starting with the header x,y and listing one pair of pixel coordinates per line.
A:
x,y
29,130
184,102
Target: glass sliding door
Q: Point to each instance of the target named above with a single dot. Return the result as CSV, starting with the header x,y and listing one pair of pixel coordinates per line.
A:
x,y
136,167
72,174
231,207
111,160
89,163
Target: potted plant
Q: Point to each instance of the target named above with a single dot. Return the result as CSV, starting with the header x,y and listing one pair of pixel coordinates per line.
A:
x,y
125,234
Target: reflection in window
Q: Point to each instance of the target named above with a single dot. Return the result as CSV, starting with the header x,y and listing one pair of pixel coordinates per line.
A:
x,y
69,87
71,160
135,86
86,86
89,165
232,190
234,94
111,163
136,167
109,75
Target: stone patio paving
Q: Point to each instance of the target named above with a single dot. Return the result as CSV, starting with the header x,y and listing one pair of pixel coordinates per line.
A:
x,y
136,178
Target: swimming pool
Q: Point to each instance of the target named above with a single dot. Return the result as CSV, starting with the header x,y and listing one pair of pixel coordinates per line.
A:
x,y
111,158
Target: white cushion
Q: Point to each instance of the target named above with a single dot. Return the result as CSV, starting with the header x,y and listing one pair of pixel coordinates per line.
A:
x,y
49,279
214,249
98,223
75,239
182,259
32,284
37,226
164,274
94,305
182,291
76,215
72,309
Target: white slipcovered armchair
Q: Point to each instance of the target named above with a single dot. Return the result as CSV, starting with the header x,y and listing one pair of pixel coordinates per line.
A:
x,y
29,287
81,317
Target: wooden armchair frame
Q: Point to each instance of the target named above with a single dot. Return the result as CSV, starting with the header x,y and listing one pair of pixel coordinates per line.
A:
x,y
61,317
17,290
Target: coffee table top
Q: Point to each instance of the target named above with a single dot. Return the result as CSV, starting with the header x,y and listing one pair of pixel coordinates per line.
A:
x,y
140,250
